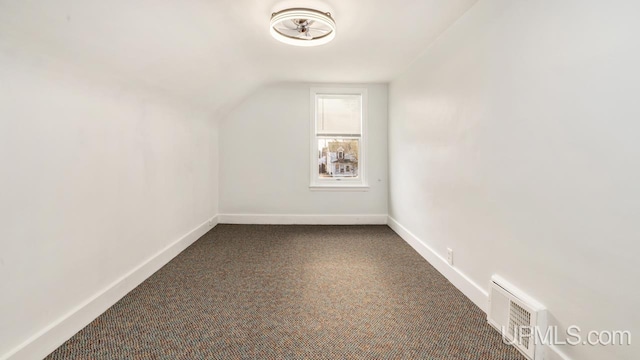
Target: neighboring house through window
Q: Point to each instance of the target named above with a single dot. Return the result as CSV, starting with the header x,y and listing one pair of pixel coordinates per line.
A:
x,y
338,138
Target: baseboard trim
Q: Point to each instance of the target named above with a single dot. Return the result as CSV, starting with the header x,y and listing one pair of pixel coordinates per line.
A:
x,y
55,334
291,219
553,352
470,289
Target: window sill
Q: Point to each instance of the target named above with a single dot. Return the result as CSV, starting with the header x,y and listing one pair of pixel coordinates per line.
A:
x,y
339,187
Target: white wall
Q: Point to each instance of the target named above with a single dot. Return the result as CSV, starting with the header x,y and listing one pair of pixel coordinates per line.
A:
x,y
96,178
514,140
264,157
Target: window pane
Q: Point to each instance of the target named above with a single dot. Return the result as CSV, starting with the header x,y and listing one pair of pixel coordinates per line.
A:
x,y
338,114
338,158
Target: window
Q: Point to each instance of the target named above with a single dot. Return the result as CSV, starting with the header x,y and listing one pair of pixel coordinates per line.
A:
x,y
338,135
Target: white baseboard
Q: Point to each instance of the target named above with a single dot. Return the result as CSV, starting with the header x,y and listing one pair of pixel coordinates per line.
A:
x,y
290,219
470,289
55,334
553,352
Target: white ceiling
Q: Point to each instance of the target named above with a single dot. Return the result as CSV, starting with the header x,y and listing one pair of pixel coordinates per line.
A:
x,y
215,52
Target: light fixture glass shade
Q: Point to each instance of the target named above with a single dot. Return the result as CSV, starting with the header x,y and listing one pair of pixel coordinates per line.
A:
x,y
302,27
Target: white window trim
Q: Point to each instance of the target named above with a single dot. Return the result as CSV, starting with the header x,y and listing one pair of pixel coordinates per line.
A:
x,y
359,184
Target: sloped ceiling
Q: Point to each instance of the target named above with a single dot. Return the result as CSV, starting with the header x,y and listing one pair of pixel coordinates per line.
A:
x,y
215,52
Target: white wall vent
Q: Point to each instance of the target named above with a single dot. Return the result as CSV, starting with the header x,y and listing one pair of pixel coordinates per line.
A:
x,y
516,316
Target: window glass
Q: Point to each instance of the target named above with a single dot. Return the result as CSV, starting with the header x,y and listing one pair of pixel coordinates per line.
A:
x,y
338,157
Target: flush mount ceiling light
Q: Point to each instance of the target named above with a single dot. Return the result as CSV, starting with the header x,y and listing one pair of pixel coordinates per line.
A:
x,y
303,27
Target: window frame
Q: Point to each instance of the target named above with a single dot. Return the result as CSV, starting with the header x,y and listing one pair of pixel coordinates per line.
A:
x,y
338,184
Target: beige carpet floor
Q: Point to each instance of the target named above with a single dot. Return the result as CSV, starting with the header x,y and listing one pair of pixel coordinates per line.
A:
x,y
292,292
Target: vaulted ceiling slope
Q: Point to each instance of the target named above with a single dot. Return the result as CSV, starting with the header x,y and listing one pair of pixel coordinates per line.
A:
x,y
215,52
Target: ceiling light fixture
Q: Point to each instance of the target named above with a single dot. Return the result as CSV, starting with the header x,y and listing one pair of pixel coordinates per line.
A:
x,y
303,27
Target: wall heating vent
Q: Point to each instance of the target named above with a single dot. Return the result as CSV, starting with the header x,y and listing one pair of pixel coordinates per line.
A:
x,y
516,315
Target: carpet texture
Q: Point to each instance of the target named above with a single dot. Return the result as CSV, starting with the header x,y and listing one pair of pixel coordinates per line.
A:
x,y
292,292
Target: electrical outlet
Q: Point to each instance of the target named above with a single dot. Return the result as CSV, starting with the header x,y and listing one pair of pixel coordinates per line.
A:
x,y
450,256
